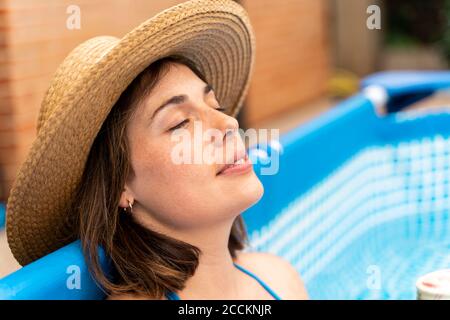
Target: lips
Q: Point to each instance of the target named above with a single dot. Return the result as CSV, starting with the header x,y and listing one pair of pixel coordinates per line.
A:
x,y
240,157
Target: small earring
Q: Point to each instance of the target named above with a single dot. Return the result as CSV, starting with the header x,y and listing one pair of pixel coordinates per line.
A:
x,y
130,204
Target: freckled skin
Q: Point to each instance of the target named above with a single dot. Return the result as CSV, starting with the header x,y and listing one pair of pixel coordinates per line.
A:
x,y
171,196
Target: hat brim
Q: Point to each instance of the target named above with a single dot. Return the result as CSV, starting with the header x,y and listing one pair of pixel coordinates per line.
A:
x,y
216,35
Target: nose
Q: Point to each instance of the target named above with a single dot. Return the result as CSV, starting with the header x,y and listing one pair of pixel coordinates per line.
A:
x,y
227,125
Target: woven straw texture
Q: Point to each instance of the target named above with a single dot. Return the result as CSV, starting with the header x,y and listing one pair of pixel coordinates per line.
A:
x,y
215,34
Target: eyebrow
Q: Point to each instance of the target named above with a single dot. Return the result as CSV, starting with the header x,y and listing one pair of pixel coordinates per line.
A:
x,y
179,99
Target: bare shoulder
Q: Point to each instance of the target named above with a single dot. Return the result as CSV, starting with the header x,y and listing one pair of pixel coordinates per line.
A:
x,y
278,273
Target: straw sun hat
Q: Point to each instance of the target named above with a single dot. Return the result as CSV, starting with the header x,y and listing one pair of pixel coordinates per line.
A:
x,y
215,35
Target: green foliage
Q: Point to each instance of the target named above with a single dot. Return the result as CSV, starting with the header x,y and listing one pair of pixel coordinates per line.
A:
x,y
418,22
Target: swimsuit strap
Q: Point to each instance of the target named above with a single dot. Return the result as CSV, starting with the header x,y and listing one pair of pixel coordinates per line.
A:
x,y
174,296
262,283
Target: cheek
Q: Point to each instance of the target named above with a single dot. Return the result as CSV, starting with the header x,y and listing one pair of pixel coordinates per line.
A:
x,y
155,168
162,185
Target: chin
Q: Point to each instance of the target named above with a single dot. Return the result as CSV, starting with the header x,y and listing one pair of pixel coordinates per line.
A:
x,y
249,193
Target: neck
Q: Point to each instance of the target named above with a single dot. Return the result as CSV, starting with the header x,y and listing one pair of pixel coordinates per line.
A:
x,y
215,277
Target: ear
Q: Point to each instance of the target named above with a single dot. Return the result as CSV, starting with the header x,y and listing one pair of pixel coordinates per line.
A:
x,y
125,197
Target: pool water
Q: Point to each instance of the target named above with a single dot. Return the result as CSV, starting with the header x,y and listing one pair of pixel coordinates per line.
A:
x,y
385,262
372,227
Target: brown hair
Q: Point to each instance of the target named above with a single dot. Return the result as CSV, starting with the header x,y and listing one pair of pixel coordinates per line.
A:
x,y
142,261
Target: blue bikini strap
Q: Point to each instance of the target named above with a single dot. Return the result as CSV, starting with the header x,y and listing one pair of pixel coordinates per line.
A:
x,y
174,296
265,286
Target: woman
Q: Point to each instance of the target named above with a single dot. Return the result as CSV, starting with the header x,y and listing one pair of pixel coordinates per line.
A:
x,y
103,165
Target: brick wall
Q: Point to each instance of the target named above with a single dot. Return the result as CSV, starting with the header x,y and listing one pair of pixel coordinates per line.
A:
x,y
33,42
291,63
291,55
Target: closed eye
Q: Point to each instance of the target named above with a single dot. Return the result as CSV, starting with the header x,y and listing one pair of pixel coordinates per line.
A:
x,y
184,122
180,125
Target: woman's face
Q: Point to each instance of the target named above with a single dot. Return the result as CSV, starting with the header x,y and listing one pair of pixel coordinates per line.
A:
x,y
190,193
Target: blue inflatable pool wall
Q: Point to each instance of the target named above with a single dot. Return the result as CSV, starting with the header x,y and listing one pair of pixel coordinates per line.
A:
x,y
2,215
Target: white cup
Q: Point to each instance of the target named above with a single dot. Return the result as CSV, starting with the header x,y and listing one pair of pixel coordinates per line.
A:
x,y
434,285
